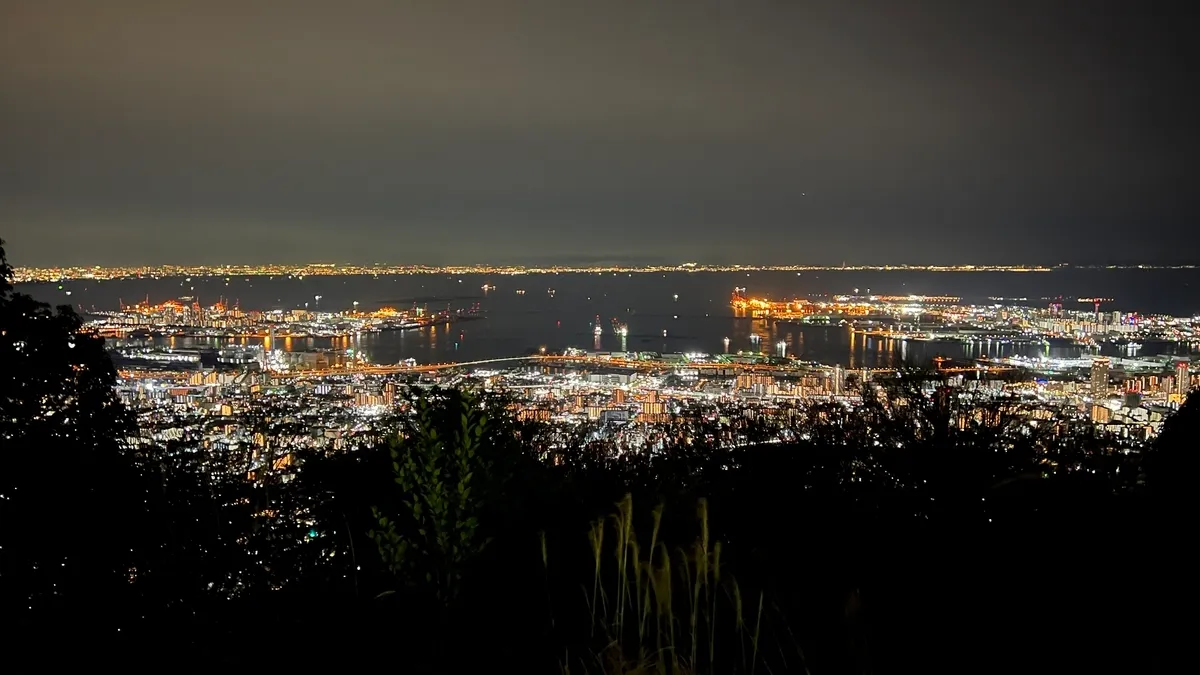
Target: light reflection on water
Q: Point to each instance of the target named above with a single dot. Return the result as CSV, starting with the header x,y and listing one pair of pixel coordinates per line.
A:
x,y
698,320
825,344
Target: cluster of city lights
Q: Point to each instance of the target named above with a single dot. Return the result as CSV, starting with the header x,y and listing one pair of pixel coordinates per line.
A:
x,y
55,274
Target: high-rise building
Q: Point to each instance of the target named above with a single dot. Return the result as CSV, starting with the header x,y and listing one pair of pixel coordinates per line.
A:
x,y
652,406
1182,378
268,348
1100,368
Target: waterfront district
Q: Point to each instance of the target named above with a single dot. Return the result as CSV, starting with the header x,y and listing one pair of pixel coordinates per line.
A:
x,y
55,274
335,400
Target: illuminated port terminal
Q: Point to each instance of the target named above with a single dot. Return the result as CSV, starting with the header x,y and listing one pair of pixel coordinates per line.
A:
x,y
186,317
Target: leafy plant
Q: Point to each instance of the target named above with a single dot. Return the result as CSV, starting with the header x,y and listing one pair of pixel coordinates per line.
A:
x,y
439,462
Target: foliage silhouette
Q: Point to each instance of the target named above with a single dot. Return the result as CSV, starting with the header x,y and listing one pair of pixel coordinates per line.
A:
x,y
72,502
1171,468
443,468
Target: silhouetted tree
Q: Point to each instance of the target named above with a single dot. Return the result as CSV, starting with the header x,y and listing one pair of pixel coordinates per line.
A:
x,y
1171,465
444,469
69,500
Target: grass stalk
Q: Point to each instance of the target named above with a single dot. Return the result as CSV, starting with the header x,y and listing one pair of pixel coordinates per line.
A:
x,y
757,633
596,538
739,618
641,621
712,621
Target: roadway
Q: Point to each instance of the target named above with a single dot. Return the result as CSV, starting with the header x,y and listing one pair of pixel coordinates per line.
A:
x,y
623,364
594,362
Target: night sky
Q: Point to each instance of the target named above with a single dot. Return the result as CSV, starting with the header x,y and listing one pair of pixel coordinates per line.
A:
x,y
171,131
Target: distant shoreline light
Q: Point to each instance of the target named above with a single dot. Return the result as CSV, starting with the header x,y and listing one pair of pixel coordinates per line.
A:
x,y
56,274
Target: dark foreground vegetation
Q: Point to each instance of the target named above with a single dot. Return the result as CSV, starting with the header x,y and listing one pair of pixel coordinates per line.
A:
x,y
885,539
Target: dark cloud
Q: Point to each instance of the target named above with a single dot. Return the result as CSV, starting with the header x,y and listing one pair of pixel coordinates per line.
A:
x,y
513,131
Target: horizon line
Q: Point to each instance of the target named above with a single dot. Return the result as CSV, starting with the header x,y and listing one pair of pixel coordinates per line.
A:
x,y
64,272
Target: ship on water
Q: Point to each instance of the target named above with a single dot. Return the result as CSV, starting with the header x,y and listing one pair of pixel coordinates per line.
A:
x,y
598,330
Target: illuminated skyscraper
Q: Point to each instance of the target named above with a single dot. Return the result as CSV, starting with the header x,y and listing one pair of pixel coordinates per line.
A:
x,y
1100,377
652,406
1182,378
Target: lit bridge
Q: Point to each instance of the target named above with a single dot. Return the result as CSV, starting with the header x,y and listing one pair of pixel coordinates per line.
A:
x,y
624,364
595,362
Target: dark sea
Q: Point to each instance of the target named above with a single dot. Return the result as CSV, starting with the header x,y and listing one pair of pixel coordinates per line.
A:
x,y
692,308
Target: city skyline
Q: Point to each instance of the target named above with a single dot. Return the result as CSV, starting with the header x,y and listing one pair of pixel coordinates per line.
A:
x,y
569,133
343,267
470,333
63,273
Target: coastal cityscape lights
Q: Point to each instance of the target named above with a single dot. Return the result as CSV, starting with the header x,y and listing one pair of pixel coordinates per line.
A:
x,y
55,274
630,399
598,338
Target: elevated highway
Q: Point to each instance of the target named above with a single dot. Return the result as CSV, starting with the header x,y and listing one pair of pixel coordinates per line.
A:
x,y
631,365
641,366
